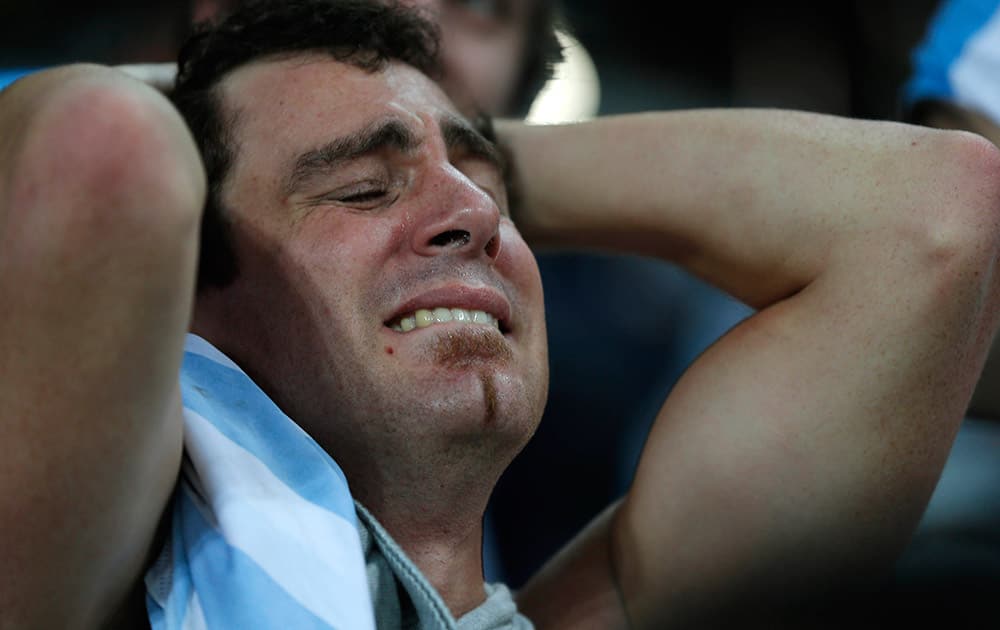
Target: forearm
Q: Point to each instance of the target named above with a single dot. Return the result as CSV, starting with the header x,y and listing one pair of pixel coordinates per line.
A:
x,y
100,195
756,202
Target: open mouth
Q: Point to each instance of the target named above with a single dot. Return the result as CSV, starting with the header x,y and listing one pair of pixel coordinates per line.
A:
x,y
422,318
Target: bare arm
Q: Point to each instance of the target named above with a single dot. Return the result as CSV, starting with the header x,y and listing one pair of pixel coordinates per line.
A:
x,y
800,450
100,194
986,399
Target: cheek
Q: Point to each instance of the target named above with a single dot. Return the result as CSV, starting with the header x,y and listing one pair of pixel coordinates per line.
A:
x,y
348,261
517,262
344,244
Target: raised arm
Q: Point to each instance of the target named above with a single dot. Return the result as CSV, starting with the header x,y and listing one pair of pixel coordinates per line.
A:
x,y
100,193
799,451
943,115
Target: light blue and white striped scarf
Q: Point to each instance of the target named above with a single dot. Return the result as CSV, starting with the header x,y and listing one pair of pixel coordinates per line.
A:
x,y
263,529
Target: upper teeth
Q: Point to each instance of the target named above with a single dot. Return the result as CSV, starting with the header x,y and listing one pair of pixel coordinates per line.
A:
x,y
423,318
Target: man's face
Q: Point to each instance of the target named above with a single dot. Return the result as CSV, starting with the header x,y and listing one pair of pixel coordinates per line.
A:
x,y
367,212
483,46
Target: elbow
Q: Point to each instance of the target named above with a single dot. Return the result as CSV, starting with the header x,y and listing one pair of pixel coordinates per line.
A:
x,y
961,222
962,249
103,156
953,244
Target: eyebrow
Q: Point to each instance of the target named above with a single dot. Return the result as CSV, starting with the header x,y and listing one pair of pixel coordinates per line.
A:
x,y
477,141
394,134
387,134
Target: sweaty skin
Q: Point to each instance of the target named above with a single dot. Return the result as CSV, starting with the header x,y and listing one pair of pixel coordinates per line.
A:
x,y
348,221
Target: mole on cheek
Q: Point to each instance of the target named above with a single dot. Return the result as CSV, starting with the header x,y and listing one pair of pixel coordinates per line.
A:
x,y
389,350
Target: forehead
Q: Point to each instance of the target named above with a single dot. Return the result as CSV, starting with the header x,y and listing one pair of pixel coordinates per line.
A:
x,y
297,100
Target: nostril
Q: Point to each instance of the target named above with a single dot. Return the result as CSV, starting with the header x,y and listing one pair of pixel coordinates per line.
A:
x,y
493,247
452,237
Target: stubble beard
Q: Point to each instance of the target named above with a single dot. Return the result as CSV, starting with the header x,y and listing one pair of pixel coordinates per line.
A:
x,y
476,348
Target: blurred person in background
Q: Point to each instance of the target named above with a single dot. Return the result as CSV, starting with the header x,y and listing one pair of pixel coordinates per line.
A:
x,y
500,51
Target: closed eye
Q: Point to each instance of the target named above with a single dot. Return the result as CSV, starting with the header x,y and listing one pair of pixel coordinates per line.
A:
x,y
365,195
368,195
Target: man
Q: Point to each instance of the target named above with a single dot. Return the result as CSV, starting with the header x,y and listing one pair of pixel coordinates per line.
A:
x,y
359,202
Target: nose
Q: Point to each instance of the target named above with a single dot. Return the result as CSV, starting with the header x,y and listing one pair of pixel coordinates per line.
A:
x,y
459,218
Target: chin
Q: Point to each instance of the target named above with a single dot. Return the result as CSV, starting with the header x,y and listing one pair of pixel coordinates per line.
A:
x,y
480,403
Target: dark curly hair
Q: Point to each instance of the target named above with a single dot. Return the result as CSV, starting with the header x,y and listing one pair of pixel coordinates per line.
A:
x,y
364,33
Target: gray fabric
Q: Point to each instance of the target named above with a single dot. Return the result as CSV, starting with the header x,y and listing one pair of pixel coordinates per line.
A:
x,y
498,612
405,600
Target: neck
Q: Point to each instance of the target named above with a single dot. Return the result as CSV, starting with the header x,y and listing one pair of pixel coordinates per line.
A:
x,y
446,547
430,496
